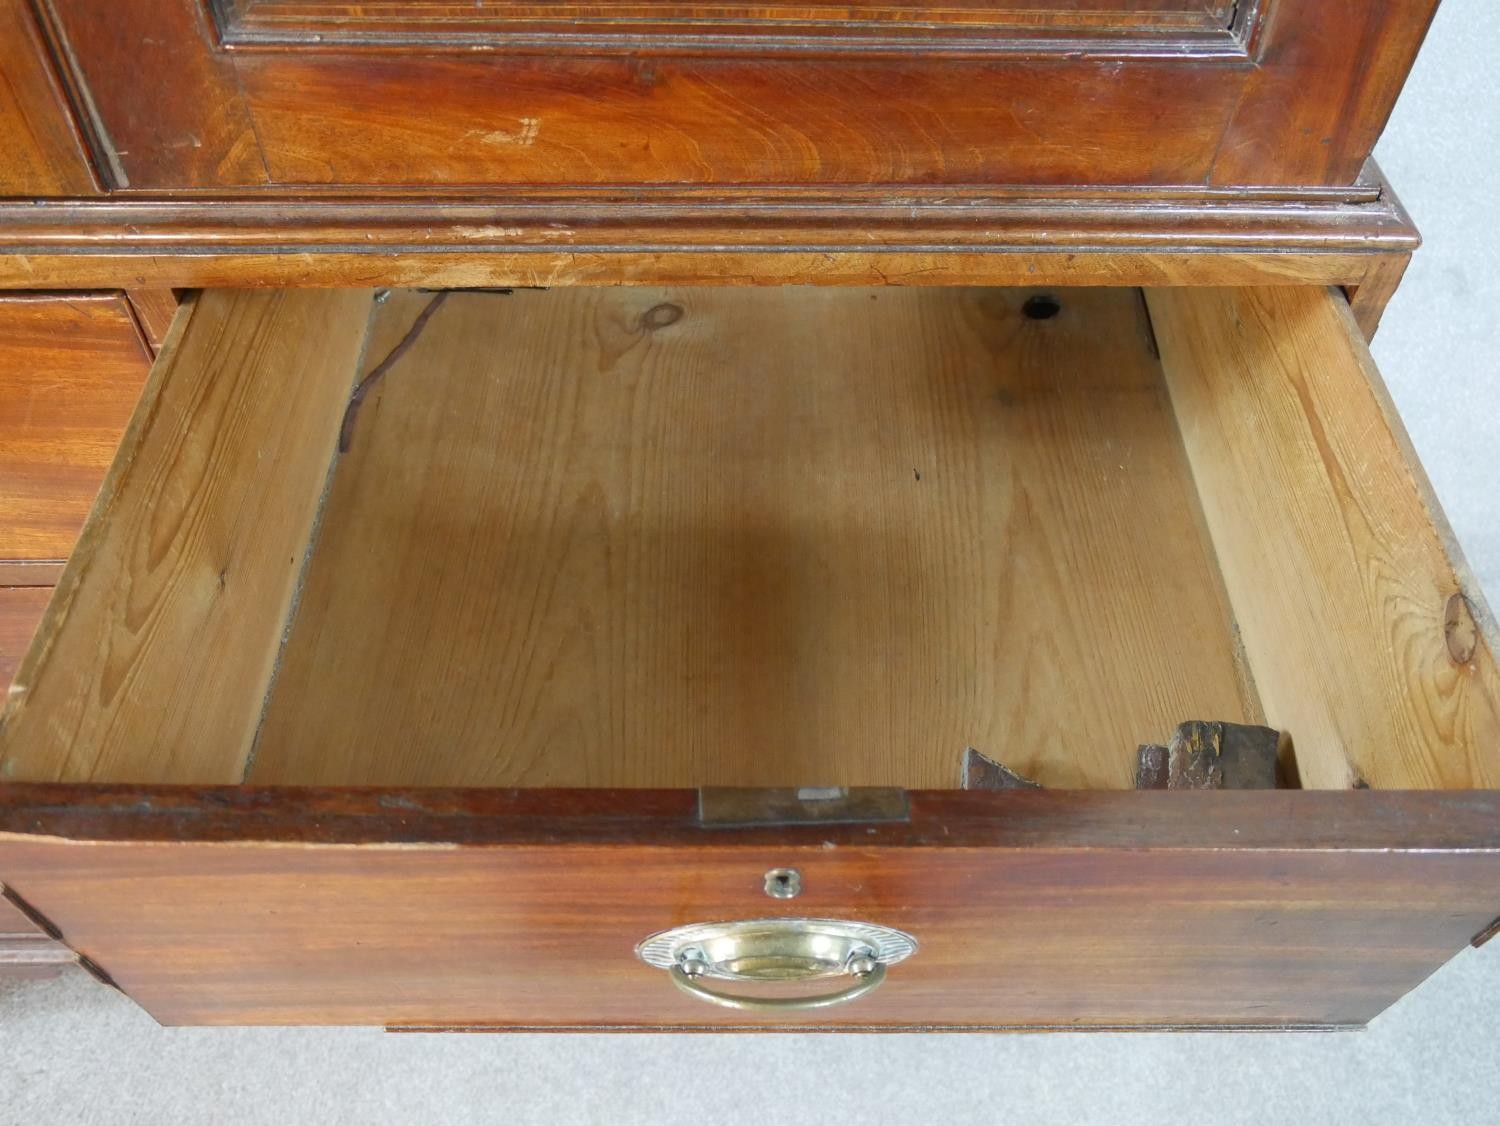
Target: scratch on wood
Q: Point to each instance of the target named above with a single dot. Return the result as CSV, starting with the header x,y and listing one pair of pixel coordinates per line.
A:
x,y
524,136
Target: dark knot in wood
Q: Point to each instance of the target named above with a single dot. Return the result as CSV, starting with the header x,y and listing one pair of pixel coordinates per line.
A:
x,y
660,316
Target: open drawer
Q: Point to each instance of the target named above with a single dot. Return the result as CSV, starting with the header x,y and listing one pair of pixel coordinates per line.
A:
x,y
422,712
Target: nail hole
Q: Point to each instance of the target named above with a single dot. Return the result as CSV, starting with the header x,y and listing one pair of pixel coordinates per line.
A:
x,y
1042,307
660,316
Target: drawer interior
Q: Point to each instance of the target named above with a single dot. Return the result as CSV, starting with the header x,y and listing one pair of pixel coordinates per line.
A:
x,y
774,536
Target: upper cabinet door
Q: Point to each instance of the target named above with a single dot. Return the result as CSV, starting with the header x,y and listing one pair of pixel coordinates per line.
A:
x,y
228,94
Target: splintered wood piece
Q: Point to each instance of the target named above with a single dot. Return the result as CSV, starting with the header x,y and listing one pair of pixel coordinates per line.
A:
x,y
983,773
1210,756
1151,767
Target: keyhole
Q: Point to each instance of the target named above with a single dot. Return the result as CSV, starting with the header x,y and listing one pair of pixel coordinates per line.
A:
x,y
783,883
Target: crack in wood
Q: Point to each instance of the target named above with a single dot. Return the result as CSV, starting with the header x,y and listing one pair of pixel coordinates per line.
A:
x,y
356,400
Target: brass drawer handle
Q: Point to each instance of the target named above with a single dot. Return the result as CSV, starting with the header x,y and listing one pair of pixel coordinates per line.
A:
x,y
777,950
864,982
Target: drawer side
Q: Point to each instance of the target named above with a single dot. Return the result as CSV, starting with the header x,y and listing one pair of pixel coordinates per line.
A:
x,y
152,659
1369,641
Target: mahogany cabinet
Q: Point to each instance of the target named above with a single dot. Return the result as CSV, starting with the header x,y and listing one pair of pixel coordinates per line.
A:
x,y
188,143
662,515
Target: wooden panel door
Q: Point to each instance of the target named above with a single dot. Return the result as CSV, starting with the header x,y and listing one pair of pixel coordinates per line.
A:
x,y
1201,93
43,154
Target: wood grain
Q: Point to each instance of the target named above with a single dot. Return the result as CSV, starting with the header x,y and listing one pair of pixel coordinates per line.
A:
x,y
43,154
188,122
566,498
1368,300
31,572
1369,642
552,119
154,310
13,921
1361,218
1099,25
1326,77
1297,102
502,268
26,949
752,537
20,610
857,236
155,652
71,369
518,909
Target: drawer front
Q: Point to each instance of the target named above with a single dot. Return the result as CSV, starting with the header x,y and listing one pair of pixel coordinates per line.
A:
x,y
26,950
14,923
523,909
71,369
638,92
20,610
